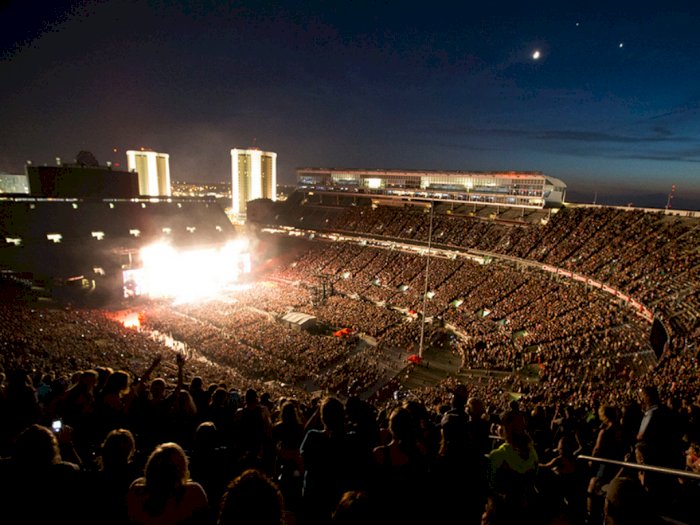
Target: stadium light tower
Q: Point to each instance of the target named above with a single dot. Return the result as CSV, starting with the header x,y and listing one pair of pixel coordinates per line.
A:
x,y
425,288
670,196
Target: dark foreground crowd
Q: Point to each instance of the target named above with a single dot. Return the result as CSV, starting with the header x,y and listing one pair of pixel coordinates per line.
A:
x,y
95,429
114,448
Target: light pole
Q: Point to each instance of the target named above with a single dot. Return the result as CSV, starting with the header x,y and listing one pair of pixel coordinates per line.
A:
x,y
425,288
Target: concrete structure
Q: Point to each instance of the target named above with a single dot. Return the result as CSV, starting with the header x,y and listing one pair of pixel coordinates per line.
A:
x,y
299,320
154,172
496,188
253,176
67,181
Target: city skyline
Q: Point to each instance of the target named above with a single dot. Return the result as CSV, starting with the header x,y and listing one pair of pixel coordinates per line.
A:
x,y
601,96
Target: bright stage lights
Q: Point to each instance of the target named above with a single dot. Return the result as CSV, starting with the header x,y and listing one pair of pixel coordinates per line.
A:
x,y
187,275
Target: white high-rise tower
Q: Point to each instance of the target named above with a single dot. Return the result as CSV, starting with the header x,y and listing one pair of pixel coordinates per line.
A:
x,y
253,176
154,172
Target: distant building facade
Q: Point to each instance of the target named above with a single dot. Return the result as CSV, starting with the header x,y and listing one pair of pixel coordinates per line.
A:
x,y
508,188
13,183
253,176
81,181
153,172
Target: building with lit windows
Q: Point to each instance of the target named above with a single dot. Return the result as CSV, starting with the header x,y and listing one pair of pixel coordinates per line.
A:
x,y
154,172
13,183
253,176
496,188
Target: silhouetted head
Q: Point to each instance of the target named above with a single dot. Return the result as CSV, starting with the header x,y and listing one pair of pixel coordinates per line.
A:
x,y
251,397
118,448
333,414
37,446
252,497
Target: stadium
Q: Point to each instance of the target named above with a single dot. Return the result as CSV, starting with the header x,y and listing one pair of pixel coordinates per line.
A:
x,y
382,298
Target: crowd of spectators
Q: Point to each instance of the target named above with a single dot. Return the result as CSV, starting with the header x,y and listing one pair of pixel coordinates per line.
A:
x,y
508,317
134,448
650,256
216,411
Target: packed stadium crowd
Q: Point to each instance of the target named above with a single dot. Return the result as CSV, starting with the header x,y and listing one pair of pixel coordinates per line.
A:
x,y
651,256
428,456
508,316
219,412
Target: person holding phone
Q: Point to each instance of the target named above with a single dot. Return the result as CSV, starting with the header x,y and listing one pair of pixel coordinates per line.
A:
x,y
37,484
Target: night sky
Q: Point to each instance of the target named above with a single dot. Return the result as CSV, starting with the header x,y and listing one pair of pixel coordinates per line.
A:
x,y
611,105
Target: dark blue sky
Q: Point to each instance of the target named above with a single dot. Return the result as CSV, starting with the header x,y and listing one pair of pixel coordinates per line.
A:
x,y
612,105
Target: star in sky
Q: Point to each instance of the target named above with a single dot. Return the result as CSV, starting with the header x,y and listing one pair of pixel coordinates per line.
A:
x,y
471,87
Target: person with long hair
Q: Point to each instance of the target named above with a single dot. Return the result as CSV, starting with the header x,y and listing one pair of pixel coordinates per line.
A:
x,y
401,468
165,495
609,445
37,485
287,435
116,471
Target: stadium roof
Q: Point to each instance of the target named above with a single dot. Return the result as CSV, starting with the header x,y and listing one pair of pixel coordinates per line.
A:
x,y
554,181
379,171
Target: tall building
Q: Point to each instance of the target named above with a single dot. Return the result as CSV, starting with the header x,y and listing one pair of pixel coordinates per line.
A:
x,y
253,176
154,172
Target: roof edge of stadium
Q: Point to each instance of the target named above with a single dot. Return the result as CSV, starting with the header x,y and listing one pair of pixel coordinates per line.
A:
x,y
382,170
25,197
76,165
555,181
